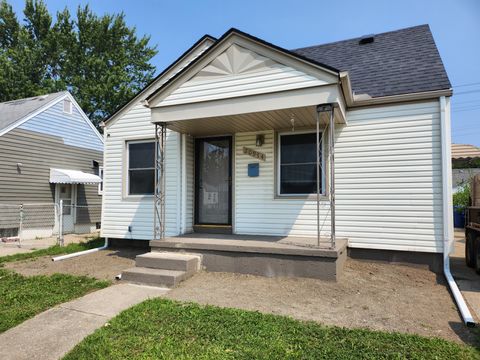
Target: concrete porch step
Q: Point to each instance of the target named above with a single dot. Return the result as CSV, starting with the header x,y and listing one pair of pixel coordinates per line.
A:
x,y
169,261
156,277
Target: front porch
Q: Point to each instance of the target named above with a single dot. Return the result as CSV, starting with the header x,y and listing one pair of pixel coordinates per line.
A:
x,y
271,256
256,130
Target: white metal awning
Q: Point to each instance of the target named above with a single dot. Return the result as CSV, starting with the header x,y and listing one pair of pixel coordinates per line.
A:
x,y
63,176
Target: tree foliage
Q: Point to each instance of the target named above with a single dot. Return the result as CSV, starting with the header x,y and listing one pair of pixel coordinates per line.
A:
x,y
99,59
461,199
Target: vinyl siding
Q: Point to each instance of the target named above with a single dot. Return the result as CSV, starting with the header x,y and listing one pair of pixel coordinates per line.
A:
x,y
388,182
239,72
269,80
71,128
388,178
121,211
257,209
38,153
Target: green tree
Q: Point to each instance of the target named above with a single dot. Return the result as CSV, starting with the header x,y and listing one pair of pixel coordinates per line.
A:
x,y
99,59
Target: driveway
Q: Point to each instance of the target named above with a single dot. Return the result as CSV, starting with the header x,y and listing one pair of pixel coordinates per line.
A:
x,y
467,280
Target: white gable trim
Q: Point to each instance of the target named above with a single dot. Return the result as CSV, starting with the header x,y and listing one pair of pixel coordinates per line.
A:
x,y
176,67
253,45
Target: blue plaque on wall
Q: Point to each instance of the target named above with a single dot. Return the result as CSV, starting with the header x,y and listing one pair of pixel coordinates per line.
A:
x,y
253,169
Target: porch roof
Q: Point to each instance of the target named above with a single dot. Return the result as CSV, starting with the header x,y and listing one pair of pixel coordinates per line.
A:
x,y
272,111
280,119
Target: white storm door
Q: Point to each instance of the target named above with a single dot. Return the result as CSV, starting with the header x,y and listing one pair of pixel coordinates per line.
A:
x,y
66,192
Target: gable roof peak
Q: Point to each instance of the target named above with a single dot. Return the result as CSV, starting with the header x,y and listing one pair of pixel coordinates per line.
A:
x,y
14,110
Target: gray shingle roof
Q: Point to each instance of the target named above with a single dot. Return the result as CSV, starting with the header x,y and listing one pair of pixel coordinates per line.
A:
x,y
12,111
397,62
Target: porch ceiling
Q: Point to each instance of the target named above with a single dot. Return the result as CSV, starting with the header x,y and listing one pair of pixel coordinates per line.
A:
x,y
304,117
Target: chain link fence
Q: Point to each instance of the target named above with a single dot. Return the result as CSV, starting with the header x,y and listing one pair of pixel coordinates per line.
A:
x,y
39,221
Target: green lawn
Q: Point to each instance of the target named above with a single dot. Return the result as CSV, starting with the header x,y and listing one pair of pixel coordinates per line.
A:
x,y
164,329
23,297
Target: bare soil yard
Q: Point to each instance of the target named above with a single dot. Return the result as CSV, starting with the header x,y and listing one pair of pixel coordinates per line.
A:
x,y
370,295
103,265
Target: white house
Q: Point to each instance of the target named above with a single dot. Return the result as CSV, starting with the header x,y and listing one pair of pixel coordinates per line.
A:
x,y
240,155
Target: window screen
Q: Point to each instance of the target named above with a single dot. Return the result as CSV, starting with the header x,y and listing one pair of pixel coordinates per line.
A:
x,y
141,168
298,174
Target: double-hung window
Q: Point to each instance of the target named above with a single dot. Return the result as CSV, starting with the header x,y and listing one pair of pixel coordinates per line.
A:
x,y
100,185
141,167
298,164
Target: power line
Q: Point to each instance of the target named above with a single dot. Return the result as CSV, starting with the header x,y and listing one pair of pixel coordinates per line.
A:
x,y
464,85
455,103
463,110
467,106
467,92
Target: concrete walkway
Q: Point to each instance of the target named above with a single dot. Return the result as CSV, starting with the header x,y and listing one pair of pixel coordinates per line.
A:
x,y
53,333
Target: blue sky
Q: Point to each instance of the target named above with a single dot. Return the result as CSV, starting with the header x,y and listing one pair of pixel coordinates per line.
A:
x,y
175,25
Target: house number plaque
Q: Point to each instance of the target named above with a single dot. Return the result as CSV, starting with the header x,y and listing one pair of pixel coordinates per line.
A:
x,y
254,153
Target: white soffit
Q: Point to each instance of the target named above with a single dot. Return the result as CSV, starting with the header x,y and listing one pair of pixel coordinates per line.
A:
x,y
64,176
237,72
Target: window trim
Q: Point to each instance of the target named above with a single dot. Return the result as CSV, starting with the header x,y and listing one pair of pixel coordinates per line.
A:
x,y
323,192
127,173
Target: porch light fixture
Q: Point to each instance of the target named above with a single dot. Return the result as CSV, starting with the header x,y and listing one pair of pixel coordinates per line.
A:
x,y
292,121
260,140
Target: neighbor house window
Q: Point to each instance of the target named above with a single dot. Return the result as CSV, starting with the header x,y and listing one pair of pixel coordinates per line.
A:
x,y
297,164
100,185
67,106
141,167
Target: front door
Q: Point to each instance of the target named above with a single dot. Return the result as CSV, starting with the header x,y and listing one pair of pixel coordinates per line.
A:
x,y
66,192
213,175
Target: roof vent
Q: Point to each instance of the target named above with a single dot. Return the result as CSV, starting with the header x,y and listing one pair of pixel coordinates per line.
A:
x,y
366,39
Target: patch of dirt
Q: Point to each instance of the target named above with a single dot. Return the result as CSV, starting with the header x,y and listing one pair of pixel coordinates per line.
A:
x,y
371,295
103,265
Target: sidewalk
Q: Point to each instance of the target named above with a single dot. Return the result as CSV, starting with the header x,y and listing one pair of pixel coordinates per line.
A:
x,y
53,333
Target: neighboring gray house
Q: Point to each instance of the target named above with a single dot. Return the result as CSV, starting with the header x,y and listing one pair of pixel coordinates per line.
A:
x,y
49,151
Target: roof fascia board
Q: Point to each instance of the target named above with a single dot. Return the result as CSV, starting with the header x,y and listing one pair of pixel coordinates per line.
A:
x,y
353,100
149,88
84,116
251,43
32,114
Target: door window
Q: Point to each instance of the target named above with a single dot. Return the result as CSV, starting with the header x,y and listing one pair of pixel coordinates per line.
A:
x,y
65,194
213,181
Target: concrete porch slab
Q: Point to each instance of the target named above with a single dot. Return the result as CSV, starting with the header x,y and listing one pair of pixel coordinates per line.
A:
x,y
283,245
269,256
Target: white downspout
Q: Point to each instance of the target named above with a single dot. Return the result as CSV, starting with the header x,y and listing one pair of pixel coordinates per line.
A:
x,y
448,236
85,252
